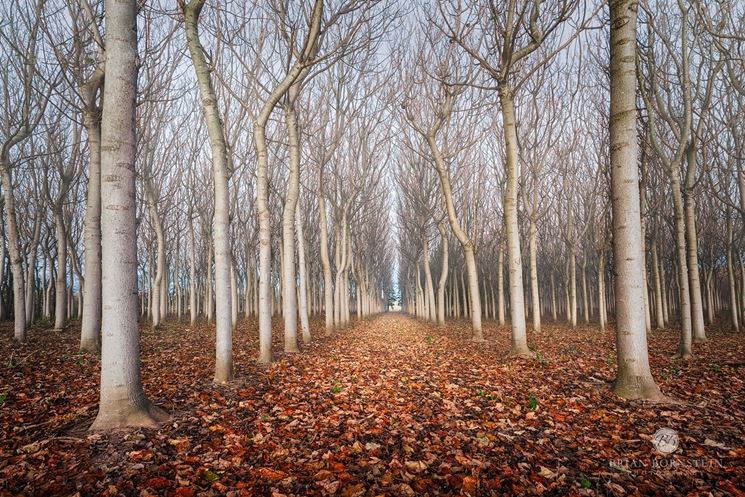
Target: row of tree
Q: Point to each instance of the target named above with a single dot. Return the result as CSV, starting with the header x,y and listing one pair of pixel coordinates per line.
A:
x,y
504,127
267,158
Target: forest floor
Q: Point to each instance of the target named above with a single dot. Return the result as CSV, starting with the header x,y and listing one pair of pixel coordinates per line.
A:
x,y
390,406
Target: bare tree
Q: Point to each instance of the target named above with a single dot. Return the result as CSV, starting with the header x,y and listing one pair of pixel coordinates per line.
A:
x,y
510,44
24,109
431,123
221,175
122,399
634,378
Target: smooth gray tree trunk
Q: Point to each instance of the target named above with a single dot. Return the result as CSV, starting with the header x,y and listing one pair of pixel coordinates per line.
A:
x,y
443,274
302,277
221,175
122,400
634,378
289,288
90,325
514,258
60,284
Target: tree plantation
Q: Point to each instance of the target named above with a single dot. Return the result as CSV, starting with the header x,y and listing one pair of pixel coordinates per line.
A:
x,y
372,247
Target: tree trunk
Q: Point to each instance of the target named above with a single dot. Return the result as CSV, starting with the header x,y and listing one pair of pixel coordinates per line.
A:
x,y
289,287
208,300
16,256
234,300
709,296
431,313
601,291
122,401
733,306
465,241
2,265
694,279
684,296
31,272
60,284
90,326
585,303
514,261
665,301
659,315
192,275
534,297
643,209
419,298
328,285
160,256
265,248
262,183
443,274
302,276
221,175
742,284
634,378
573,286
464,295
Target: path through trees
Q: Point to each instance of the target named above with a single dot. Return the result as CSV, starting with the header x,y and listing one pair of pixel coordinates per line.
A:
x,y
392,405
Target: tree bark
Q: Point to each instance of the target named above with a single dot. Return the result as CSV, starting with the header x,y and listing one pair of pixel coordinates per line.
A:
x,y
585,303
465,241
60,284
535,298
328,284
443,274
684,296
733,306
659,314
289,288
601,291
429,287
514,260
234,300
16,256
262,183
160,258
90,325
694,279
302,277
265,248
192,274
573,286
31,272
221,175
122,400
634,378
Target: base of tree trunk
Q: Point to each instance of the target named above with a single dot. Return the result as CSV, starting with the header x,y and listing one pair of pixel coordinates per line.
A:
x,y
90,345
264,360
521,353
638,388
700,339
478,339
147,416
224,377
683,356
